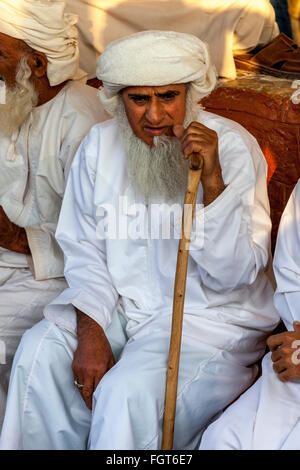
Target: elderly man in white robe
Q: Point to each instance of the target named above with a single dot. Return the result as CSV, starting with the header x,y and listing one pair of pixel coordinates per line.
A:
x,y
108,333
267,416
44,114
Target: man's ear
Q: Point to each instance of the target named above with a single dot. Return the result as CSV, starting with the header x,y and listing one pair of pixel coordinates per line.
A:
x,y
38,61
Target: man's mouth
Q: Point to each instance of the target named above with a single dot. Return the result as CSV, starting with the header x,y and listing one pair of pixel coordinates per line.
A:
x,y
155,130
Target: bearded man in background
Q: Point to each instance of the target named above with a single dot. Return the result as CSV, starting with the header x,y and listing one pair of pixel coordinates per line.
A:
x,y
44,113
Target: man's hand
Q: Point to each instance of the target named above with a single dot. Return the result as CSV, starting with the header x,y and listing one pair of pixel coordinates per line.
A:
x,y
12,237
199,139
93,356
285,349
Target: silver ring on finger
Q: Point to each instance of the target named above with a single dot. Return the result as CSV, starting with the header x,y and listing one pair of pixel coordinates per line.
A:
x,y
78,385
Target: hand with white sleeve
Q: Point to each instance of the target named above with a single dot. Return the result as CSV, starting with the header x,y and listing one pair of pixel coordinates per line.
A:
x,y
285,349
199,139
93,356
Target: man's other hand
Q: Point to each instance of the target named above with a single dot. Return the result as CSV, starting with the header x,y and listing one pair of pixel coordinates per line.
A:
x,y
285,349
12,237
93,356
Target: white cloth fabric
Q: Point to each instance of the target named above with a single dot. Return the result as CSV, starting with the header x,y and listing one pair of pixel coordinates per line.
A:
x,y
69,426
228,310
287,262
35,162
267,416
244,294
45,27
155,58
128,403
22,300
225,25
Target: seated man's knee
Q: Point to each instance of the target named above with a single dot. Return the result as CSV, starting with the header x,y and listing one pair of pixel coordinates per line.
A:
x,y
125,383
41,342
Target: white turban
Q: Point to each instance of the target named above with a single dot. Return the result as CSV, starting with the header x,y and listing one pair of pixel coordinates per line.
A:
x,y
154,58
43,25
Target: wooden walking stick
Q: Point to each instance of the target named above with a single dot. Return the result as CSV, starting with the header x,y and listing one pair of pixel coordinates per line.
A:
x,y
195,171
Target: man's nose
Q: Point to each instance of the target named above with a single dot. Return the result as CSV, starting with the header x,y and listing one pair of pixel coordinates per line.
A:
x,y
155,112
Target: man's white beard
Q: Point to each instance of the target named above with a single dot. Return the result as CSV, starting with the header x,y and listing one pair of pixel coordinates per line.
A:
x,y
157,173
19,101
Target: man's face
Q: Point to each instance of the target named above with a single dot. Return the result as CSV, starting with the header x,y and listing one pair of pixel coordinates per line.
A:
x,y
11,52
154,110
20,94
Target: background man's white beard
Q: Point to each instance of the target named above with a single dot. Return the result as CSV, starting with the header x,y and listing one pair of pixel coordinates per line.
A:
x,y
157,173
19,101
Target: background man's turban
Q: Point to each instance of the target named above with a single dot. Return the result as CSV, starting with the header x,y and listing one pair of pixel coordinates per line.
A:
x,y
154,58
44,26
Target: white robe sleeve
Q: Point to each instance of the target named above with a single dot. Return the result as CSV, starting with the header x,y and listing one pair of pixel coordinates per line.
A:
x,y
79,112
287,262
90,287
232,240
46,259
257,25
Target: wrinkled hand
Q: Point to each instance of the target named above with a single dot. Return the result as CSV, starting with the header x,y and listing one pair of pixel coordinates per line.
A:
x,y
285,349
93,356
199,139
12,237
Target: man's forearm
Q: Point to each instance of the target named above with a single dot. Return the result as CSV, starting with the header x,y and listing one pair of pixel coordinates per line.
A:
x,y
15,239
12,237
86,326
19,242
92,358
213,186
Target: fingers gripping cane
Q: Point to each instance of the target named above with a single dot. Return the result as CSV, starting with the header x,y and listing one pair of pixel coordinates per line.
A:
x,y
195,171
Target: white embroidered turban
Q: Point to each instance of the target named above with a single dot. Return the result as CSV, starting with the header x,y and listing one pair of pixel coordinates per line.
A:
x,y
43,25
154,58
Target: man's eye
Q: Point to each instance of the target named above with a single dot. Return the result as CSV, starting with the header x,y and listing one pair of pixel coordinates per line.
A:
x,y
138,100
168,97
